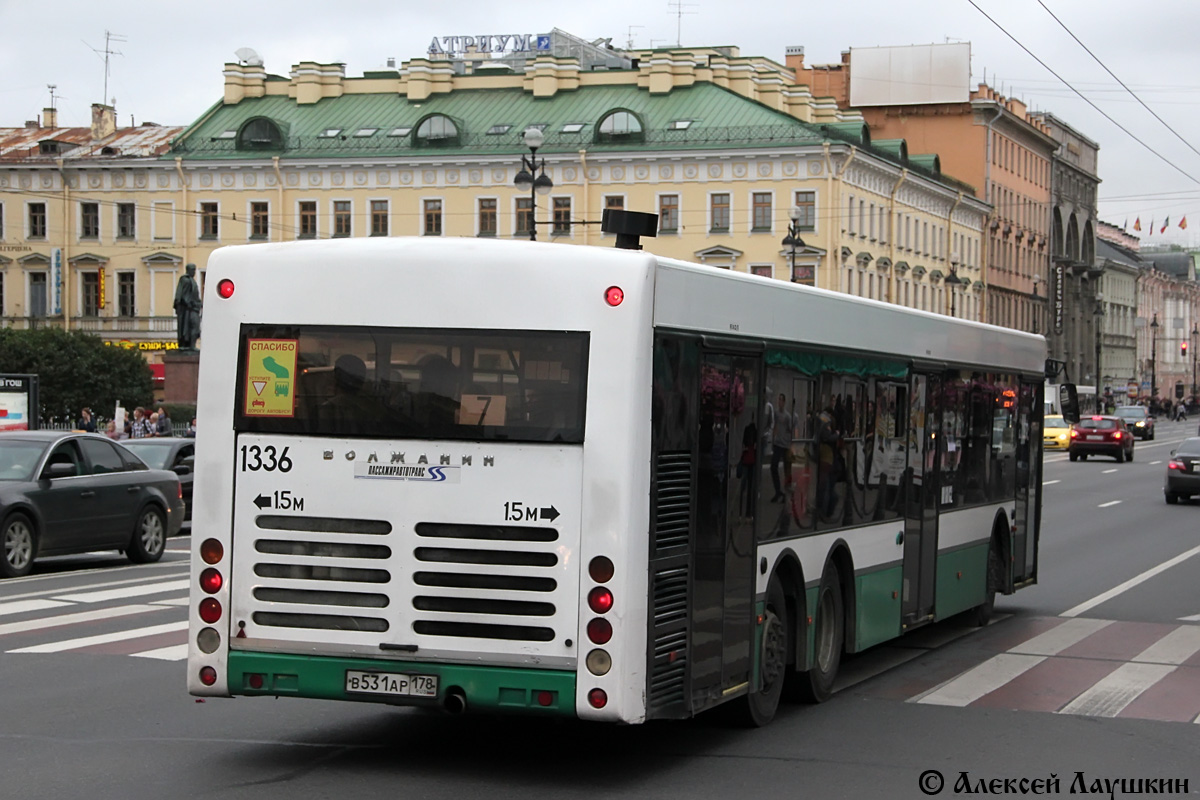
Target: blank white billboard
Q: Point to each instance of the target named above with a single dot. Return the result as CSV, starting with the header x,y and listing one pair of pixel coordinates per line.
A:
x,y
910,75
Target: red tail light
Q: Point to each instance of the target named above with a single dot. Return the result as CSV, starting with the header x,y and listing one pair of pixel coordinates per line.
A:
x,y
210,610
225,288
211,581
211,551
1117,436
599,631
613,295
600,600
1074,433
208,676
179,489
597,697
1175,465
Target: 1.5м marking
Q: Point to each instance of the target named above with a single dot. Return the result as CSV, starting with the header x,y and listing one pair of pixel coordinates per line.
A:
x,y
284,501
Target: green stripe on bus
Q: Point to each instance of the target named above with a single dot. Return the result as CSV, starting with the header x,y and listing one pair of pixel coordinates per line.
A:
x,y
324,677
961,580
877,604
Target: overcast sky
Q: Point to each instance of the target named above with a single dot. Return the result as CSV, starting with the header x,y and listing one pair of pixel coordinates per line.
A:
x,y
169,69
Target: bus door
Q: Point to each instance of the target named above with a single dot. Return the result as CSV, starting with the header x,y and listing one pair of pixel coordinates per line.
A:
x,y
729,470
920,516
1029,485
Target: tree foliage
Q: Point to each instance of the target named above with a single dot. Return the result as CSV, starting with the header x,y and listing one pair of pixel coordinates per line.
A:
x,y
76,369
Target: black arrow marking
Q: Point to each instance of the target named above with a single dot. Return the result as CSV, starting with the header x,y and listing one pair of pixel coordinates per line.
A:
x,y
550,513
262,501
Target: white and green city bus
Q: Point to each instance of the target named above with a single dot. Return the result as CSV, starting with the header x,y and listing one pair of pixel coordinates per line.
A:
x,y
508,476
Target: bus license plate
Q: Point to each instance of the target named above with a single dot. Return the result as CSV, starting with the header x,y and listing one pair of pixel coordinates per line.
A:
x,y
391,683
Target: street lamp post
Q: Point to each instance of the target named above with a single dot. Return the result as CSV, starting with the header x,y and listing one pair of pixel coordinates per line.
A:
x,y
1195,334
529,177
793,239
1097,313
952,284
1154,358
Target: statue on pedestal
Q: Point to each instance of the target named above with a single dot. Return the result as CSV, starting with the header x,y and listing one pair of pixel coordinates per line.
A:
x,y
187,309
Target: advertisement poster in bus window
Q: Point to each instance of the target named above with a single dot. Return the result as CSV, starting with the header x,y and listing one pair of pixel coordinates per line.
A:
x,y
890,455
270,389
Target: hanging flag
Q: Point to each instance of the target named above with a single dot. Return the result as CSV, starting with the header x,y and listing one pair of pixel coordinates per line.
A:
x,y
1183,223
1166,225
1137,224
1150,230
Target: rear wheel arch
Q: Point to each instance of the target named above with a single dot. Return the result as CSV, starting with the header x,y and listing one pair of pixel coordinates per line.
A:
x,y
839,556
790,575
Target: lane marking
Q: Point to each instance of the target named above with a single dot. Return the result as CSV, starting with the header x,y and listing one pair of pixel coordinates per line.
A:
x,y
978,681
1192,618
1129,584
1055,640
1175,648
45,592
1102,505
128,591
1111,694
70,619
1109,471
103,638
22,606
1051,483
176,652
172,601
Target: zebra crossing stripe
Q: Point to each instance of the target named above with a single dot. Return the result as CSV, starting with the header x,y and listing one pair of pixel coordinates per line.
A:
x,y
1111,694
176,652
983,679
103,638
125,592
27,625
1175,648
1059,638
24,606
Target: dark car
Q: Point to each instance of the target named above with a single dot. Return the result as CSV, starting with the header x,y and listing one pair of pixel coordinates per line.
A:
x,y
1101,436
67,492
1183,471
175,454
1138,419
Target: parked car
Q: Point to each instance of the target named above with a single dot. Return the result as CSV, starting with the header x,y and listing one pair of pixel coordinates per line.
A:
x,y
167,452
1138,419
1101,436
1183,471
65,492
1056,432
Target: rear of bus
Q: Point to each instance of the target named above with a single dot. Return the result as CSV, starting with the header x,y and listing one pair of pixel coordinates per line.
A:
x,y
422,471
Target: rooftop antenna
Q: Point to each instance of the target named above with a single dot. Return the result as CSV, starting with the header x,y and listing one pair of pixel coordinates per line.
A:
x,y
109,38
629,33
51,87
250,57
680,8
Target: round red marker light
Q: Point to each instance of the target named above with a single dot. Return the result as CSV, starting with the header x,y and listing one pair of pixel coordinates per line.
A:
x,y
613,295
601,569
599,631
210,610
211,580
255,681
600,600
208,676
211,551
225,288
597,697
545,699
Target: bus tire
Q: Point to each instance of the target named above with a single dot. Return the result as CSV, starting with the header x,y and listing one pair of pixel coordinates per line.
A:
x,y
19,543
758,707
149,537
981,615
829,624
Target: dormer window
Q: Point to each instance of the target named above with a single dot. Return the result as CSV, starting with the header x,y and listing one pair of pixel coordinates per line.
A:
x,y
225,135
619,126
260,133
497,130
400,132
437,129
363,133
329,133
572,127
50,148
679,125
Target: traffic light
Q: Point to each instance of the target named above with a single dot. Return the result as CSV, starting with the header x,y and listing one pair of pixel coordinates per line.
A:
x,y
1183,349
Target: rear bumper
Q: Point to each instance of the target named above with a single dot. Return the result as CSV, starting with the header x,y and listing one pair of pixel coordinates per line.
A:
x,y
1098,449
1182,482
489,689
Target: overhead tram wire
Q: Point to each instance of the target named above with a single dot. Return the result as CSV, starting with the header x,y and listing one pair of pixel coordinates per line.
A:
x,y
1084,97
1118,80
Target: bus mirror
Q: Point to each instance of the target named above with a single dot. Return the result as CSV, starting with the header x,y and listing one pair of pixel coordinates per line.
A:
x,y
1068,401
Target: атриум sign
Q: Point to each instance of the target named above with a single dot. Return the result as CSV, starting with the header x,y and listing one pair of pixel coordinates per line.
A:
x,y
488,43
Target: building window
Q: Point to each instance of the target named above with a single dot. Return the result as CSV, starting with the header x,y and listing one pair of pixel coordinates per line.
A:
x,y
433,217
1,221
90,286
668,213
260,220
259,134
764,270
341,218
762,211
524,216
806,203
37,220
126,220
209,226
850,216
125,304
89,220
308,219
437,129
379,217
619,126
38,295
719,211
562,217
487,216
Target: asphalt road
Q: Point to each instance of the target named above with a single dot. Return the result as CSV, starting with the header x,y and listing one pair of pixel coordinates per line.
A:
x,y
1082,673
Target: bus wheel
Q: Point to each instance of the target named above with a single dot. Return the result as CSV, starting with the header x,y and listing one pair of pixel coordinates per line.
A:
x,y
759,706
982,614
829,631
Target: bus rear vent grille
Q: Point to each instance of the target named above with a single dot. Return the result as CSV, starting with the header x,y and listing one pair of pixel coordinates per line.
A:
x,y
672,499
668,668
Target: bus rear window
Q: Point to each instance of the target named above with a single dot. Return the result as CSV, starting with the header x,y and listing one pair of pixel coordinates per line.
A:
x,y
404,383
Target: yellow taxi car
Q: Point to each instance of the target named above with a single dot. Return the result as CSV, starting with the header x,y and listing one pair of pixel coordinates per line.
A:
x,y
1056,433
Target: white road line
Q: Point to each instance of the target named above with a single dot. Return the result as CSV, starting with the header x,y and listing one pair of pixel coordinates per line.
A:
x,y
23,606
47,592
1055,640
978,681
1175,648
1109,471
1051,483
176,652
1102,505
128,591
1109,696
1192,618
70,619
172,601
1129,584
103,638
1155,463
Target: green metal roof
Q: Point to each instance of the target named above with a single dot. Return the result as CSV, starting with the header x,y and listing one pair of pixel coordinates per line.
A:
x,y
718,118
